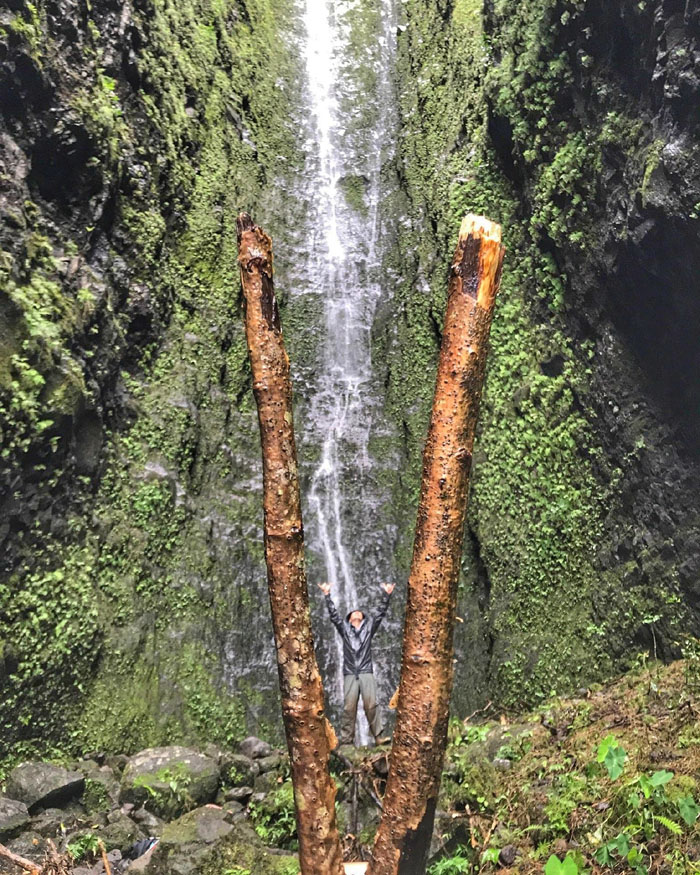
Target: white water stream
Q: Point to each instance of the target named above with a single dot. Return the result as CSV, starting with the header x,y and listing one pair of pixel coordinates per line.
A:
x,y
351,127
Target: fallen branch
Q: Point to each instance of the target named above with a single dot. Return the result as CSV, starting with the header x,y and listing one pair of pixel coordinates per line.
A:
x,y
22,862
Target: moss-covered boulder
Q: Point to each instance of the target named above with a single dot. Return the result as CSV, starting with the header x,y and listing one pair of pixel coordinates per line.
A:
x,y
187,840
169,780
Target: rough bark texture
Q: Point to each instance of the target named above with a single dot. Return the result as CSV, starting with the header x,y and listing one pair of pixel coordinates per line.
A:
x,y
309,735
403,839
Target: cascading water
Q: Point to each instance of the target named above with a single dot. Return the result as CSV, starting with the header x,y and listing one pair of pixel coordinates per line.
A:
x,y
350,130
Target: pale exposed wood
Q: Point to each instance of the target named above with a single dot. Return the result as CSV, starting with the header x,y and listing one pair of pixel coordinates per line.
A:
x,y
309,735
420,735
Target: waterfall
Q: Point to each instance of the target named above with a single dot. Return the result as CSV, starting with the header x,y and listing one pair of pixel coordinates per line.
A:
x,y
349,134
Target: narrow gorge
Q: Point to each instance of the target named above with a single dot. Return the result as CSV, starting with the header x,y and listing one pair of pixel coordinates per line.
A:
x,y
133,603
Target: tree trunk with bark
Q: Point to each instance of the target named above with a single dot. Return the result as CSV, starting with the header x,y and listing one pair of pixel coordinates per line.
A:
x,y
310,737
420,735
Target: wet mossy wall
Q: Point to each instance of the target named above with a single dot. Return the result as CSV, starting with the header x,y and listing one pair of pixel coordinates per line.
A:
x,y
133,608
132,137
553,118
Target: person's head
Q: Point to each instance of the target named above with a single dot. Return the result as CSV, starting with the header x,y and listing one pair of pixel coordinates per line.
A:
x,y
355,619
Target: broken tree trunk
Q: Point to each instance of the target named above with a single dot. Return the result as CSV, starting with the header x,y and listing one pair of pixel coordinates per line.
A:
x,y
310,737
420,736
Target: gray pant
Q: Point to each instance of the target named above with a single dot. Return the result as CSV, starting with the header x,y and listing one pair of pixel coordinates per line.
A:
x,y
365,685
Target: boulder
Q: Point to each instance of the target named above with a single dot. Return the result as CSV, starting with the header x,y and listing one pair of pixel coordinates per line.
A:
x,y
238,770
204,842
239,794
30,845
254,748
101,787
267,782
121,832
14,816
43,785
187,840
169,780
270,763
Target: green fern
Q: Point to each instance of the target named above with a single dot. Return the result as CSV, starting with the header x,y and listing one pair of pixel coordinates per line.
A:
x,y
670,825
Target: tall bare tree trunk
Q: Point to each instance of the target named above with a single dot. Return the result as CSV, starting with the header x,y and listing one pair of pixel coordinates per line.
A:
x,y
420,736
310,737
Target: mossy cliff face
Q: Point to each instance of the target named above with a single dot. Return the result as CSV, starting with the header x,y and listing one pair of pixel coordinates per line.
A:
x,y
130,516
133,608
575,125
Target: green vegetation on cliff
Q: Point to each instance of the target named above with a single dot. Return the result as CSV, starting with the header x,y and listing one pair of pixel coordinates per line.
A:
x,y
125,606
488,127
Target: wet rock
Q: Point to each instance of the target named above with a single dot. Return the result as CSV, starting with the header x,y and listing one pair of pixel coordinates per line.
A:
x,y
270,763
508,855
43,785
169,780
238,770
187,840
121,832
239,794
255,748
14,816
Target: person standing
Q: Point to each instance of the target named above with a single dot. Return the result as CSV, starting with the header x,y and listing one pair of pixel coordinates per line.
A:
x,y
357,631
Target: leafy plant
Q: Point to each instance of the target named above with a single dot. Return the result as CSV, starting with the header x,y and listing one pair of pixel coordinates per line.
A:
x,y
457,864
612,755
570,865
688,809
85,846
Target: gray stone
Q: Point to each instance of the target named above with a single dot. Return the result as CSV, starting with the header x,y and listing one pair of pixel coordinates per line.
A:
x,y
254,748
121,832
238,770
169,780
508,855
152,824
267,782
41,785
239,794
30,845
187,840
270,763
14,816
53,821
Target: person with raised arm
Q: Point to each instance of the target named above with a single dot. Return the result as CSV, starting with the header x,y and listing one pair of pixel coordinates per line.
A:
x,y
357,631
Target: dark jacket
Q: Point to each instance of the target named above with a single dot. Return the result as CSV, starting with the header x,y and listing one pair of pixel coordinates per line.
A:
x,y
357,644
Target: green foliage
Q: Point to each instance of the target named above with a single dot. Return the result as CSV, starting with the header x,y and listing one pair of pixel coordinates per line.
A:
x,y
274,818
568,866
458,863
612,755
85,847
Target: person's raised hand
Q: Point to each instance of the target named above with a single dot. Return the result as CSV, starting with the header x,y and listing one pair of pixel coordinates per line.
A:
x,y
388,588
325,588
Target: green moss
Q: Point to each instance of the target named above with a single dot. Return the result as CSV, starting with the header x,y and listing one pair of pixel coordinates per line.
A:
x,y
538,508
142,606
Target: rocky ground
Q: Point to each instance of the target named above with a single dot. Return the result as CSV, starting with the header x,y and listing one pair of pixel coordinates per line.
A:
x,y
605,782
164,810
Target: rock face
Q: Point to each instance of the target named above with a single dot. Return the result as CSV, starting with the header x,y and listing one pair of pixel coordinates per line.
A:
x,y
169,780
129,479
42,785
13,818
